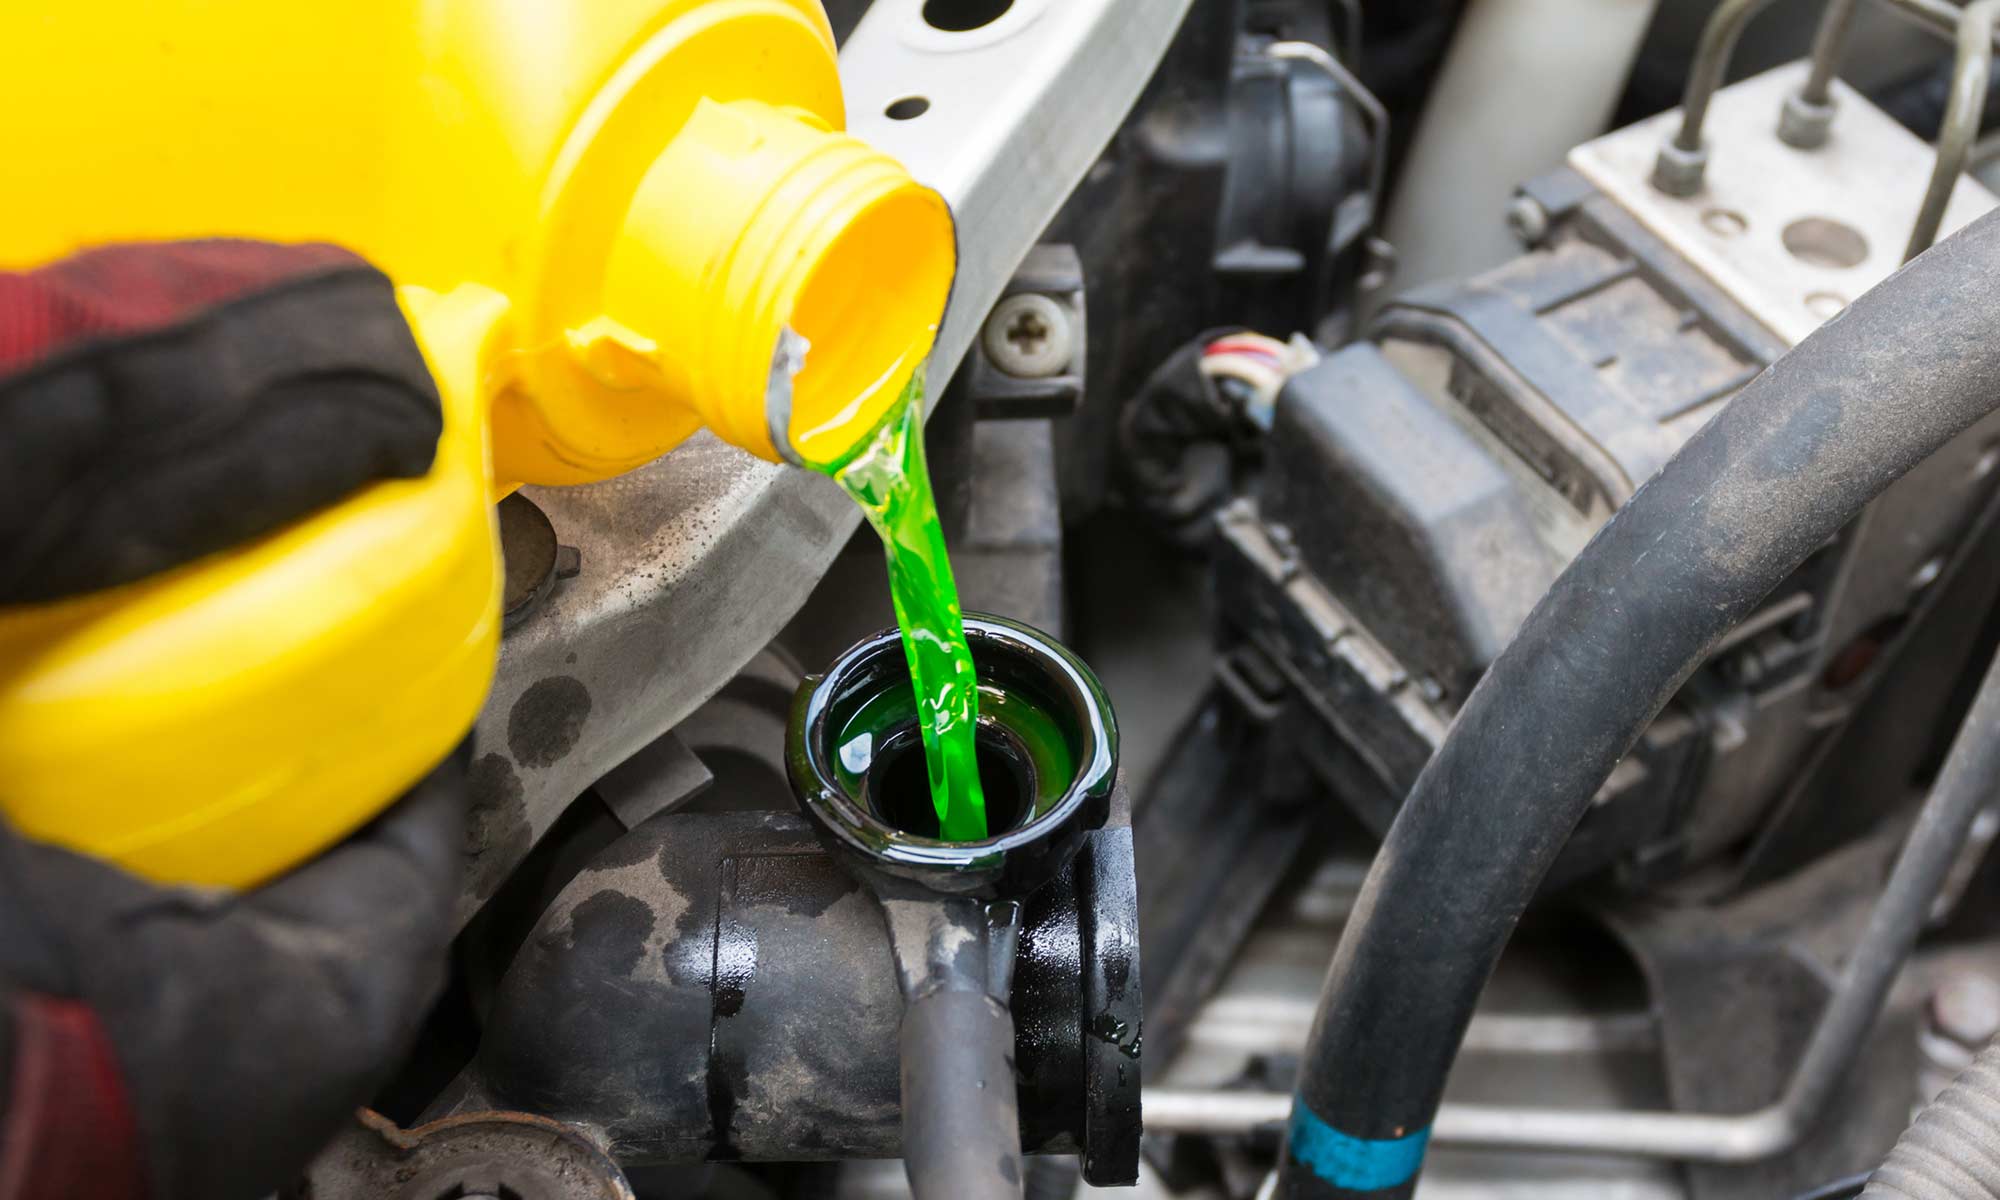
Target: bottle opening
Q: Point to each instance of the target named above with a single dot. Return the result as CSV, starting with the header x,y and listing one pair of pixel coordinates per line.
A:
x,y
869,311
897,786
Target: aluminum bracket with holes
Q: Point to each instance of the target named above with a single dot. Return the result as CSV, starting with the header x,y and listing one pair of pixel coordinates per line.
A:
x,y
691,564
1792,235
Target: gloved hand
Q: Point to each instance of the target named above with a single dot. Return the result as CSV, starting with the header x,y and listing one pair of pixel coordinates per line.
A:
x,y
158,403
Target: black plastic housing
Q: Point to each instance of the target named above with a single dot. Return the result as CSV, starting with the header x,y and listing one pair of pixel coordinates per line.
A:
x,y
715,986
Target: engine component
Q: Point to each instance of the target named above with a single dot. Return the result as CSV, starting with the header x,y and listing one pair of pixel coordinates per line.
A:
x,y
1216,789
1048,753
477,1156
1426,486
1971,75
715,986
1244,190
1962,1016
759,995
1970,777
1806,114
1764,483
1029,359
720,986
1047,740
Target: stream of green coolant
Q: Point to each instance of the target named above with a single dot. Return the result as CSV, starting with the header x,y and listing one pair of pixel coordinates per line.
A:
x,y
887,477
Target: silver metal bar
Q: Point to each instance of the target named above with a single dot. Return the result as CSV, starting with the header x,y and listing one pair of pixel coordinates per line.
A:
x,y
1965,105
1214,1112
1938,16
1711,59
693,563
1807,115
1372,111
1682,161
1269,1024
1224,1113
1828,43
1965,786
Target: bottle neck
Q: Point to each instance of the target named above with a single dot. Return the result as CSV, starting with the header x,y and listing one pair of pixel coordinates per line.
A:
x,y
756,221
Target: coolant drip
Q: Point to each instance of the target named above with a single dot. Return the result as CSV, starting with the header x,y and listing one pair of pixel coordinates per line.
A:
x,y
888,478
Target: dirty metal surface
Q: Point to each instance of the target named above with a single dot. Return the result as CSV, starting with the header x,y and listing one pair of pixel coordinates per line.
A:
x,y
1792,235
716,987
1738,988
508,1154
692,563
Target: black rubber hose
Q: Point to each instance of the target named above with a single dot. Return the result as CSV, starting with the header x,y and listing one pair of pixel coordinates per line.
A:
x,y
1952,1152
1869,395
961,1120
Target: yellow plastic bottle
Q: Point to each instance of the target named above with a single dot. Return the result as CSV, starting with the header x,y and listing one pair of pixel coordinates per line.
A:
x,y
600,213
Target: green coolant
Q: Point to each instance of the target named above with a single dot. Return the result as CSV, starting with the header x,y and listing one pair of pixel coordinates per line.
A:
x,y
1035,736
888,479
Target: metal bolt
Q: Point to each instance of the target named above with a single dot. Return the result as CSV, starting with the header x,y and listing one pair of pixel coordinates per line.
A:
x,y
1679,172
1282,540
1802,124
1966,1008
1528,219
1029,336
1378,265
1962,1015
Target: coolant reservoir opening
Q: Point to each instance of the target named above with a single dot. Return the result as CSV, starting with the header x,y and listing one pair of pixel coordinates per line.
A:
x,y
869,312
897,787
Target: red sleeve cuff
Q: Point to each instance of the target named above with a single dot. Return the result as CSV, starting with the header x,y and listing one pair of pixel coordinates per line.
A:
x,y
68,1132
128,290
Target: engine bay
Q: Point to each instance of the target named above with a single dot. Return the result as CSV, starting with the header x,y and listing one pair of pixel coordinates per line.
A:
x,y
1485,514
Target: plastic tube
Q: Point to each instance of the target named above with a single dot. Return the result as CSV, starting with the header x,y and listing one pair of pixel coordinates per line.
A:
x,y
1798,453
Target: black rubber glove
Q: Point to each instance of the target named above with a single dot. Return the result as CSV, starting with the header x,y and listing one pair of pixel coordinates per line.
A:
x,y
158,403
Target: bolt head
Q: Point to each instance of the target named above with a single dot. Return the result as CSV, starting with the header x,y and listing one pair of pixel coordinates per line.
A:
x,y
1965,1007
1679,172
1528,219
1029,336
1378,265
1803,125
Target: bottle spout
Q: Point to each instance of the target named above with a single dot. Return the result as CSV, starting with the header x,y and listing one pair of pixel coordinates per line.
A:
x,y
760,241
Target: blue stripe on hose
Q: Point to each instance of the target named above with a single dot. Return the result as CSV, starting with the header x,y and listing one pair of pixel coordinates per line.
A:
x,y
1356,1164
